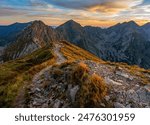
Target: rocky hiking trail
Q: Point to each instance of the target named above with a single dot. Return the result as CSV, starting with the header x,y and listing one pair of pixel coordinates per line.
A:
x,y
124,89
20,99
37,100
60,59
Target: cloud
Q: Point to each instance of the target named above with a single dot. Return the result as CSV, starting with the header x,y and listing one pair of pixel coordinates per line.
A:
x,y
86,12
103,6
11,12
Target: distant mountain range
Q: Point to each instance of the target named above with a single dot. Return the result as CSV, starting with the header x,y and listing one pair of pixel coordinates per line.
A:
x,y
9,33
40,68
126,42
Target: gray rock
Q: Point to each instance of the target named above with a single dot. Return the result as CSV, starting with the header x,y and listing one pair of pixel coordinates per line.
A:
x,y
142,95
128,106
125,75
103,105
110,81
40,100
107,98
132,96
39,81
73,92
37,89
118,105
147,87
57,103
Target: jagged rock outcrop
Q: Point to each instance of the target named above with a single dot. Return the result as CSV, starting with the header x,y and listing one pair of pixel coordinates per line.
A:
x,y
126,42
125,89
35,36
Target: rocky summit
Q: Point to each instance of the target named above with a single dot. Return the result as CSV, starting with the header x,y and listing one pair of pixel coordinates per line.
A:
x,y
33,37
42,69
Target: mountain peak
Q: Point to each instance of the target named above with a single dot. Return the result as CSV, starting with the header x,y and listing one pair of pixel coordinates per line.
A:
x,y
131,23
33,37
72,23
37,23
38,26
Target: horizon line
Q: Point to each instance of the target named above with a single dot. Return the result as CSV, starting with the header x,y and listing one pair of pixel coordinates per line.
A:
x,y
121,22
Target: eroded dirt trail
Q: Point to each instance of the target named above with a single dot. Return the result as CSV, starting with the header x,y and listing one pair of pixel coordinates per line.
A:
x,y
60,59
37,99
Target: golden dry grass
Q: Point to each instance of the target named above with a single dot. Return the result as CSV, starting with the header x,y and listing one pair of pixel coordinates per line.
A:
x,y
72,52
92,87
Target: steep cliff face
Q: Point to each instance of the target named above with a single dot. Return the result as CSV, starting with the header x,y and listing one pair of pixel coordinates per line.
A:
x,y
126,42
9,33
35,36
146,27
71,31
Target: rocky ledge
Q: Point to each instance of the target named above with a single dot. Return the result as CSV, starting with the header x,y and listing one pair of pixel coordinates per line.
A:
x,y
60,86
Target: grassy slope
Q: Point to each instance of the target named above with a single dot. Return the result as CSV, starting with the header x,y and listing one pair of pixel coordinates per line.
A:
x,y
72,52
14,74
18,73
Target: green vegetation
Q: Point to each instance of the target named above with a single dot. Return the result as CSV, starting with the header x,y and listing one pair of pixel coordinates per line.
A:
x,y
17,73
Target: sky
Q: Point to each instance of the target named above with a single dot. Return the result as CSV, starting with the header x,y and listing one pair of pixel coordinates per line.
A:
x,y
102,13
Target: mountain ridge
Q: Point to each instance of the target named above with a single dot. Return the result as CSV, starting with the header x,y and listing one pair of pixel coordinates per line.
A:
x,y
58,74
124,42
116,43
33,37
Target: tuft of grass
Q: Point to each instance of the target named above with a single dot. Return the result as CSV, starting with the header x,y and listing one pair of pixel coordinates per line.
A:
x,y
92,87
98,83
